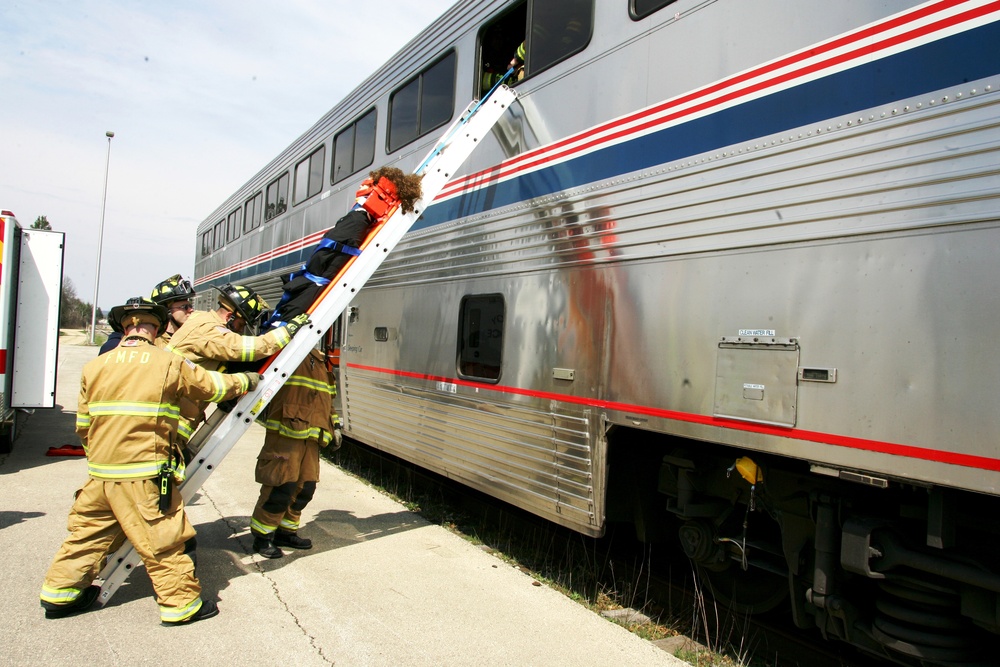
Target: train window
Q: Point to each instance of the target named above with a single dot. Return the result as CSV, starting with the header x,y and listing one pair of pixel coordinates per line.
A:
x,y
557,30
423,103
277,197
206,243
233,225
219,235
354,147
252,212
309,175
499,44
533,36
480,336
639,9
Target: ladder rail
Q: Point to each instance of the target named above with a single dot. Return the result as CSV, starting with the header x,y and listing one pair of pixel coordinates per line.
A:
x,y
222,433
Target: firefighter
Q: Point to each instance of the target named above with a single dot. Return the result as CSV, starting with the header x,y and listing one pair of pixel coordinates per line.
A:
x,y
517,62
213,339
114,338
300,420
127,419
174,294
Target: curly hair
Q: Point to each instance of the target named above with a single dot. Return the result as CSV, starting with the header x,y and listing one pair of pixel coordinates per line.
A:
x,y
407,185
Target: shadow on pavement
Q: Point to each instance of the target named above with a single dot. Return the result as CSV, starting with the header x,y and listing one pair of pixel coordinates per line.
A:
x,y
35,433
225,552
8,518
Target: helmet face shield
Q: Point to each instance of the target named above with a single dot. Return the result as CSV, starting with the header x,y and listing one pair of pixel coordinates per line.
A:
x,y
173,288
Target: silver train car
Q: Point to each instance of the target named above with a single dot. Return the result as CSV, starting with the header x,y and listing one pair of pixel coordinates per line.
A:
x,y
725,271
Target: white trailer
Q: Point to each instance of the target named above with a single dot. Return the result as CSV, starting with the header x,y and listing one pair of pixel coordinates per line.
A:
x,y
31,272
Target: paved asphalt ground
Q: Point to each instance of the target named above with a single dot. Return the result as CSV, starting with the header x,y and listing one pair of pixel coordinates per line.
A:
x,y
381,586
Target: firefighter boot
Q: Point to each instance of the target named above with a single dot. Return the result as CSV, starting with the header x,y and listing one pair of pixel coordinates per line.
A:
x,y
284,538
208,609
265,547
81,604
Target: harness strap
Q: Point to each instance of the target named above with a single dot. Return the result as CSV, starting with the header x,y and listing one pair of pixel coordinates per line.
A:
x,y
324,244
338,246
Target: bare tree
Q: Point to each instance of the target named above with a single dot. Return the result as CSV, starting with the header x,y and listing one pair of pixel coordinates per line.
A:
x,y
75,313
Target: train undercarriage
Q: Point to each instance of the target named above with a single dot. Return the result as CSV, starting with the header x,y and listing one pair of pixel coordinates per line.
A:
x,y
897,570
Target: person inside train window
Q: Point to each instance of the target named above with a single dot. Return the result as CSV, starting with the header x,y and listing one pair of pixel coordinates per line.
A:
x,y
493,75
555,31
379,195
500,44
517,62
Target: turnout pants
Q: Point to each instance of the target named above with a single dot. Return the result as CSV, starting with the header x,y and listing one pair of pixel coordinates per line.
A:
x,y
287,470
102,513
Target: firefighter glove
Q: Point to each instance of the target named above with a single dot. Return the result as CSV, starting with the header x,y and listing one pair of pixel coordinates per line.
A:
x,y
253,379
297,323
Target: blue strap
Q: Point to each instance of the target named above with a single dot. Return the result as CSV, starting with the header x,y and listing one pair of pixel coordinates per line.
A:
x,y
319,280
338,246
273,321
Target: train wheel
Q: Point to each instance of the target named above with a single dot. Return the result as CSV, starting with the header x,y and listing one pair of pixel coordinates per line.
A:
x,y
745,592
752,591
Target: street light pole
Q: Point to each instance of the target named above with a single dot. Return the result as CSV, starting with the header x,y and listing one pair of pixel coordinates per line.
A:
x,y
100,241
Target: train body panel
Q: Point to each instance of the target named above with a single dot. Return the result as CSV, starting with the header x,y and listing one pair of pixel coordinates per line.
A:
x,y
725,237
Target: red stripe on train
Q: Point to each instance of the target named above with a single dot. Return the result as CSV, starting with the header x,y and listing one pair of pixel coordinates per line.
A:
x,y
895,449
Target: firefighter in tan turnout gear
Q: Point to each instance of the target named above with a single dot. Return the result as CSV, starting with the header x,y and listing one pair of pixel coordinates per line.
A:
x,y
127,419
300,420
174,294
211,339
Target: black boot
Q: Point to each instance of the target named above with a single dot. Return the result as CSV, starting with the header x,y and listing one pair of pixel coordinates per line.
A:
x,y
265,547
285,539
208,609
81,604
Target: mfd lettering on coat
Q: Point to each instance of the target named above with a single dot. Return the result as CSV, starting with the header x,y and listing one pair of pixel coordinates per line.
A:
x,y
122,355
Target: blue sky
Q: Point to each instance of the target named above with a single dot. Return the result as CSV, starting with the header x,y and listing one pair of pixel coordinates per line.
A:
x,y
200,96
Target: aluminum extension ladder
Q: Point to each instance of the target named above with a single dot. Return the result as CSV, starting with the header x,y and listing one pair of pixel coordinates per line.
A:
x,y
221,432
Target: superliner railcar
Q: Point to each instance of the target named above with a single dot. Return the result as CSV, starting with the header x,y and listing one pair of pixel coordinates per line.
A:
x,y
726,271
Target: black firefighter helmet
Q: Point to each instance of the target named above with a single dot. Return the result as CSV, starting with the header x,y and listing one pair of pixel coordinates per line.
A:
x,y
139,309
244,302
173,288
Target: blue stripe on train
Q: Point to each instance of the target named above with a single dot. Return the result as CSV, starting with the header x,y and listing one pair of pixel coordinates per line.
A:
x,y
951,61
